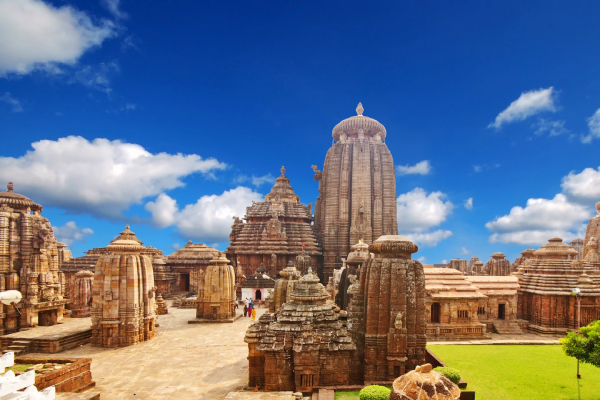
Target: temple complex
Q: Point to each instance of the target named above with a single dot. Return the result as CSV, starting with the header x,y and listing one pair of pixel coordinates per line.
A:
x,y
216,297
305,345
123,306
257,286
452,305
274,232
547,281
81,302
188,264
283,287
357,257
498,265
357,190
29,262
459,265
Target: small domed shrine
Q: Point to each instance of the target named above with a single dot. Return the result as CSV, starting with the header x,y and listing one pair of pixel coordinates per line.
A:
x,y
29,262
216,298
498,265
357,189
123,306
275,231
284,287
188,264
305,345
546,284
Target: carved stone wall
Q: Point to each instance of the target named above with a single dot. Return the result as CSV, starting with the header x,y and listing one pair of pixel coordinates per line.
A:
x,y
357,190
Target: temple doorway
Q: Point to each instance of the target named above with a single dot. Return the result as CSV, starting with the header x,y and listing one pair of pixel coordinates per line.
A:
x,y
501,311
184,283
258,295
435,313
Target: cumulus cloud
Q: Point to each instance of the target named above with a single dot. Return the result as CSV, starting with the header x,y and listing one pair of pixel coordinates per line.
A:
x,y
536,237
594,127
428,239
70,233
552,127
420,168
35,35
256,180
15,105
207,220
469,203
419,211
114,7
100,177
528,104
584,186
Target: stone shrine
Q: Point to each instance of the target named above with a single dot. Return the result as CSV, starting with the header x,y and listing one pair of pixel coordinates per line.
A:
x,y
275,231
257,286
284,287
216,299
303,346
475,266
356,258
546,282
459,265
85,263
188,265
357,190
393,289
498,265
29,262
123,306
81,302
525,255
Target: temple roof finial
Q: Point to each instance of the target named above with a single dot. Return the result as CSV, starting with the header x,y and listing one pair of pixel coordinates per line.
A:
x,y
359,109
10,187
282,170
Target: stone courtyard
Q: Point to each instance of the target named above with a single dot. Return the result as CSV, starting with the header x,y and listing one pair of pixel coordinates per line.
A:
x,y
183,361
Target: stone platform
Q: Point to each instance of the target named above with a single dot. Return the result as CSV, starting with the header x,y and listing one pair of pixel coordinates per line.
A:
x,y
215,321
72,332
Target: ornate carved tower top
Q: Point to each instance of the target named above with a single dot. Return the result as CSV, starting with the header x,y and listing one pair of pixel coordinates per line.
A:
x,y
357,189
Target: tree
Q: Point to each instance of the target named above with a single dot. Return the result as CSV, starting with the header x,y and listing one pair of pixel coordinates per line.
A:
x,y
584,346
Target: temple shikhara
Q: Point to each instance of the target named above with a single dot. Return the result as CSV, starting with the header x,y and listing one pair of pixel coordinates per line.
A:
x,y
357,190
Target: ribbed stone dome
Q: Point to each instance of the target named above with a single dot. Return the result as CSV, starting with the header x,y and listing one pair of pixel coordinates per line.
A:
x,y
17,201
352,126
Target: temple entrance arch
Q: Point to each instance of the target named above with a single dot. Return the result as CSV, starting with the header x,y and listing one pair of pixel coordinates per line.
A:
x,y
435,313
258,295
501,311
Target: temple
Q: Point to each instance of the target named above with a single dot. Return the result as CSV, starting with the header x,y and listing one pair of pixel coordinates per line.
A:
x,y
349,274
29,262
216,296
459,265
357,190
275,231
186,265
498,265
123,307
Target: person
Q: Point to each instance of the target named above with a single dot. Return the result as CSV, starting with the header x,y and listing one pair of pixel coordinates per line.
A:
x,y
245,310
253,314
250,310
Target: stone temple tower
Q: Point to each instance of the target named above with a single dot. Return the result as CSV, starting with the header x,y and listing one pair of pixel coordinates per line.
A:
x,y
357,189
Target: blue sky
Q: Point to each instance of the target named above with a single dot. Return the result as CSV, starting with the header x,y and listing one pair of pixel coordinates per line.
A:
x,y
174,116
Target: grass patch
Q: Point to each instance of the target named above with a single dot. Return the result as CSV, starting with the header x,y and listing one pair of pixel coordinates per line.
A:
x,y
19,368
521,372
351,395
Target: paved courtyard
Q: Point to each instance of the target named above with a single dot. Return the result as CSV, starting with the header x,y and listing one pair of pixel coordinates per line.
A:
x,y
183,361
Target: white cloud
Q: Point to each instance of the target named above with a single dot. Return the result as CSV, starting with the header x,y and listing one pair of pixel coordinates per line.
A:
x,y
114,7
36,35
477,168
528,104
444,261
176,246
594,126
256,180
419,211
536,237
584,186
14,104
421,259
554,128
70,233
469,203
464,250
96,77
101,177
428,239
207,220
420,168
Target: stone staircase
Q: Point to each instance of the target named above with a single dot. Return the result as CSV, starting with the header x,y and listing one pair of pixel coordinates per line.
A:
x,y
507,327
19,347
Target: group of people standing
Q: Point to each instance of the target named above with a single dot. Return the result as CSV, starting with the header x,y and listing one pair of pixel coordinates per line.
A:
x,y
249,310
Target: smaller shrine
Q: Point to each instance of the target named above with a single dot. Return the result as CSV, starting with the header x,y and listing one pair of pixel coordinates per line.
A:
x,y
81,302
284,287
459,265
498,265
123,305
216,297
258,286
350,272
475,267
187,265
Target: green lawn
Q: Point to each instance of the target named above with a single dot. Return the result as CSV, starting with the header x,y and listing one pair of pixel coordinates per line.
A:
x,y
521,372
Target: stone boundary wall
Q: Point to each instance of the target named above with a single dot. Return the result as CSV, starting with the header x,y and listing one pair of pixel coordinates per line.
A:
x,y
76,377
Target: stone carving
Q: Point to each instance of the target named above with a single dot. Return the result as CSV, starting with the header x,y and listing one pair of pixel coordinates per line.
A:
x,y
398,321
424,384
357,190
125,314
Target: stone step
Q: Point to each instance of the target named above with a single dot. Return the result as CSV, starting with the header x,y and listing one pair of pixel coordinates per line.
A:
x,y
16,352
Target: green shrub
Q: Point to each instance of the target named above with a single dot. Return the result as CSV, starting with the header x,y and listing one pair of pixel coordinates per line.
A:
x,y
374,392
449,373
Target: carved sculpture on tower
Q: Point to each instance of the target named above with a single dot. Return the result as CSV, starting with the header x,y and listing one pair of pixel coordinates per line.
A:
x,y
357,190
29,262
216,300
123,306
275,232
